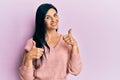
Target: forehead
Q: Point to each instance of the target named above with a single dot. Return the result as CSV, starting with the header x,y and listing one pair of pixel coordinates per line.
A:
x,y
51,11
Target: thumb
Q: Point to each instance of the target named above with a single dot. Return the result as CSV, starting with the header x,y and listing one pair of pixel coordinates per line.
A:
x,y
70,31
34,44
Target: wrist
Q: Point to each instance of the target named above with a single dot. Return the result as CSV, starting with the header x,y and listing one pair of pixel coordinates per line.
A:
x,y
75,49
28,56
75,45
28,61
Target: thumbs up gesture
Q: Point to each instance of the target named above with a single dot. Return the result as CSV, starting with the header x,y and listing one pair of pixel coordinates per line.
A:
x,y
68,38
35,53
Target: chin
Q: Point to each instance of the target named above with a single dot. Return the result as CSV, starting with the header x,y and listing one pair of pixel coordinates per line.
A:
x,y
54,27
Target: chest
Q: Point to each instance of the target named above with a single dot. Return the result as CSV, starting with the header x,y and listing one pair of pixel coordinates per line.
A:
x,y
57,58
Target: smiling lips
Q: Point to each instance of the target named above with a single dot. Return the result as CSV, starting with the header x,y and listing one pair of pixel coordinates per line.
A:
x,y
54,24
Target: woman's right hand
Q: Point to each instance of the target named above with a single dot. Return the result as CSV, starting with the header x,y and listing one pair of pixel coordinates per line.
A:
x,y
34,53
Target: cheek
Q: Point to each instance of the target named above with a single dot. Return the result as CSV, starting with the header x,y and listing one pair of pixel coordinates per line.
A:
x,y
57,19
47,22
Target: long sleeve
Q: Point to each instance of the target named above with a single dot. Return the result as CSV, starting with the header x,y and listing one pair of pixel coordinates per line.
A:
x,y
74,64
24,72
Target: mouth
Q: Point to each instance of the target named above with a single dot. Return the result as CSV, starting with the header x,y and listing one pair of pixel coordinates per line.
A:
x,y
54,24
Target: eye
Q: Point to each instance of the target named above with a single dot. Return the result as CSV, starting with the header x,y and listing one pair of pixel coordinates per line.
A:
x,y
55,15
47,17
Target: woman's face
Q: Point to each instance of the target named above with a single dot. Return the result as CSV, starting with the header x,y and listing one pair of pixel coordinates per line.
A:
x,y
51,19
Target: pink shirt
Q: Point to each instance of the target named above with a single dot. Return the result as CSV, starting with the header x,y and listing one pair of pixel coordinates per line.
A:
x,y
58,63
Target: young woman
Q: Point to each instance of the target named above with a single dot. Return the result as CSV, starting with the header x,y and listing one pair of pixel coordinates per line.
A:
x,y
49,55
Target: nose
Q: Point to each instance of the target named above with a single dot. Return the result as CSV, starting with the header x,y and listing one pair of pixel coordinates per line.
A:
x,y
53,19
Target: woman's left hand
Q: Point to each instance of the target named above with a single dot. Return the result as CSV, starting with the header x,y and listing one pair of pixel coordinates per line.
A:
x,y
68,38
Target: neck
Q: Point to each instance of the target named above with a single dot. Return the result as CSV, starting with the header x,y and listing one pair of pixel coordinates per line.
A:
x,y
51,34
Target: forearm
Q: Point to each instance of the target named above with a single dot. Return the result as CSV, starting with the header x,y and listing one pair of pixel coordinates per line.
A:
x,y
28,61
